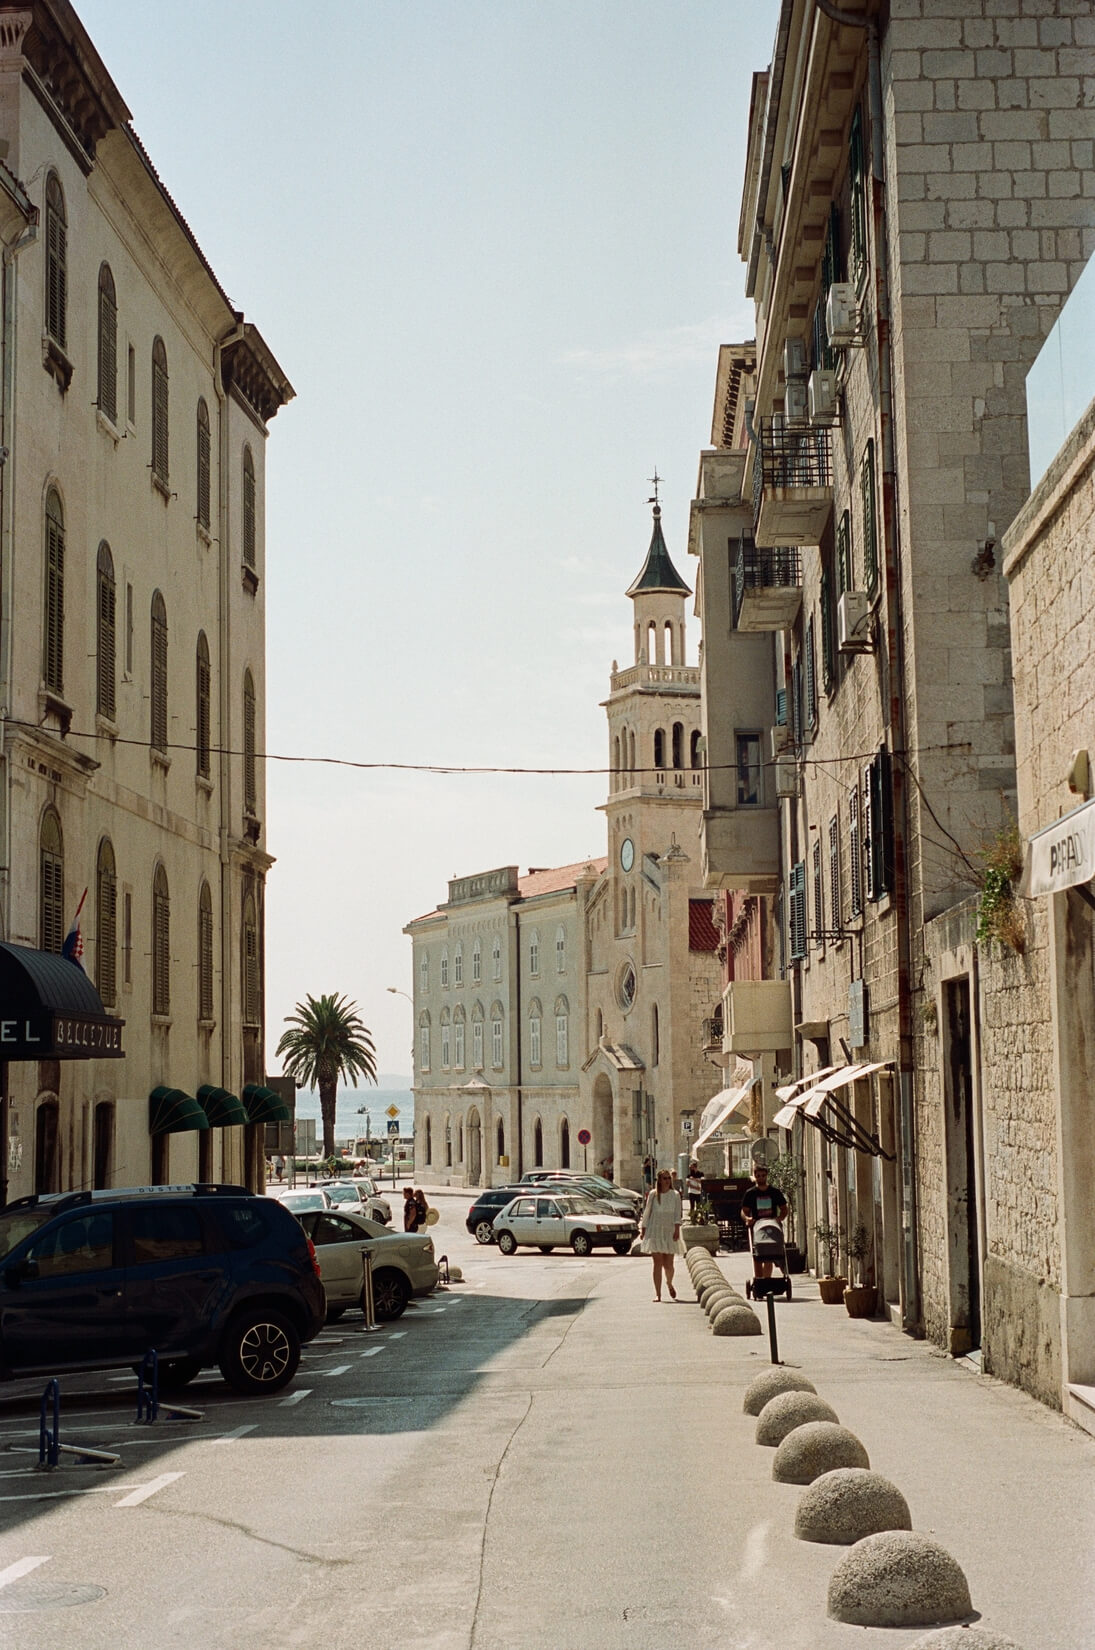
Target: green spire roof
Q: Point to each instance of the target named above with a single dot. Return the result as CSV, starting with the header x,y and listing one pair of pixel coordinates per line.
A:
x,y
658,571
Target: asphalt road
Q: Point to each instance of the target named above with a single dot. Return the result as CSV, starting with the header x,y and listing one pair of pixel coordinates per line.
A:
x,y
538,1458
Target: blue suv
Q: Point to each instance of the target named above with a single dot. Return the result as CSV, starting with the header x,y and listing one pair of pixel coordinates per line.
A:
x,y
205,1274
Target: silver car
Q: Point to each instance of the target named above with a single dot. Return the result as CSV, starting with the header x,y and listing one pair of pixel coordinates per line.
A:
x,y
359,1197
403,1262
547,1223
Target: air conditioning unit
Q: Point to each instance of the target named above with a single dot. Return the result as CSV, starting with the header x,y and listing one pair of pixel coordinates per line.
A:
x,y
794,358
780,739
796,404
787,776
853,622
842,315
822,393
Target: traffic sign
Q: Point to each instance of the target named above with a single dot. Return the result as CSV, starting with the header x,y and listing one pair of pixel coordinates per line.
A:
x,y
393,1111
584,1137
686,1125
393,1128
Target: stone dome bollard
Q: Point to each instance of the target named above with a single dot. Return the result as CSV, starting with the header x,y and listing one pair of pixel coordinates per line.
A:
x,y
898,1579
964,1638
768,1385
710,1286
719,1301
787,1411
849,1503
736,1320
814,1448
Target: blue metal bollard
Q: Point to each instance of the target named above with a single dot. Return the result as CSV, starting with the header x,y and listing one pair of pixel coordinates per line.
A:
x,y
49,1440
148,1386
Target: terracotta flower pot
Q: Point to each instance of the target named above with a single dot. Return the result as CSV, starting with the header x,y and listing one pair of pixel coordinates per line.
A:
x,y
860,1300
832,1290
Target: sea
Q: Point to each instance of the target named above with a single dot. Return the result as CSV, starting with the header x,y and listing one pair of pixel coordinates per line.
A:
x,y
355,1107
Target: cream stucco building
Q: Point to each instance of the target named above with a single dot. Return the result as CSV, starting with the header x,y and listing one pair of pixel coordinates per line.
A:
x,y
136,402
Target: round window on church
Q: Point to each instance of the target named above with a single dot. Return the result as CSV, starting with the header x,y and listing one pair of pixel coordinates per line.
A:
x,y
626,986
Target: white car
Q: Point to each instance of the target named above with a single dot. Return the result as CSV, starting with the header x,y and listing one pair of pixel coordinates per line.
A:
x,y
403,1262
359,1197
547,1223
299,1199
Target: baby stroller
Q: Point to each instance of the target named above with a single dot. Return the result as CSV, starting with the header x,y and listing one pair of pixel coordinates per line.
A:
x,y
767,1242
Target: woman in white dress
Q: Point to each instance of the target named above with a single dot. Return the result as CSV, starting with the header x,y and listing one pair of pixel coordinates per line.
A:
x,y
660,1231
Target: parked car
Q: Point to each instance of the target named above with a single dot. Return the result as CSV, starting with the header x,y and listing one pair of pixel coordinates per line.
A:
x,y
546,1223
481,1215
299,1198
403,1262
620,1199
204,1274
359,1197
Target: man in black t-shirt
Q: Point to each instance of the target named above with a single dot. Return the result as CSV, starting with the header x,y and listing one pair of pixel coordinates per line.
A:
x,y
766,1202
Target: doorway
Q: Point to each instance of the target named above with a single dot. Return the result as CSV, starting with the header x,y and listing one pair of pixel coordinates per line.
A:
x,y
103,1145
603,1145
47,1166
475,1151
963,1169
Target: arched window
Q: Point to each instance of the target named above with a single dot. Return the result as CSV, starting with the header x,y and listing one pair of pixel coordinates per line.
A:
x,y
534,952
446,1040
161,943
669,649
599,1025
51,883
655,1035
159,673
496,958
250,783
496,1036
537,1144
615,763
460,1141
448,1142
424,1047
458,964
652,644
53,648
562,1032
564,1144
205,954
248,509
458,1040
204,738
56,262
659,747
424,971
678,744
106,635
429,1141
560,950
106,924
445,967
476,963
696,748
631,763
159,412
252,992
534,1050
205,465
623,756
108,345
500,1133
477,1039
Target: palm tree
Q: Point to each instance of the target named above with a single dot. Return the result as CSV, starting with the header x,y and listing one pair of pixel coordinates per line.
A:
x,y
326,1041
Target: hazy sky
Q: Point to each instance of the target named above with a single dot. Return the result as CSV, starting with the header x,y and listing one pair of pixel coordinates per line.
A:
x,y
493,244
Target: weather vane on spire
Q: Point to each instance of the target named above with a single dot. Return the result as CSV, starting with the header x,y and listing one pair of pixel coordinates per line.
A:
x,y
655,481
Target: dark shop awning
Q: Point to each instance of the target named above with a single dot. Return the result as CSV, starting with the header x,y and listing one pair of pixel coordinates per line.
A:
x,y
264,1106
171,1111
49,1010
223,1110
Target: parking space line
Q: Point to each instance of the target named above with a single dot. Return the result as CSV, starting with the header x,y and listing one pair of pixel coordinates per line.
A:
x,y
21,1567
295,1397
397,1334
229,1437
339,1369
143,1493
55,1495
370,1352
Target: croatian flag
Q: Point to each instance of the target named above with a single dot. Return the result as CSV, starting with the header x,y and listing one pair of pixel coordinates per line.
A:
x,y
73,947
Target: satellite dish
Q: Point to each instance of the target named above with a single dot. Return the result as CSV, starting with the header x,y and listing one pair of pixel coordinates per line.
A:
x,y
764,1151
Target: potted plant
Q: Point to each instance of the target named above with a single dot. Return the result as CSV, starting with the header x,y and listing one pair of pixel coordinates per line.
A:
x,y
787,1172
830,1283
860,1298
699,1229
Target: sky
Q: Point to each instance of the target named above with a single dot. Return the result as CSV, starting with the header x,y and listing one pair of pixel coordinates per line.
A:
x,y
493,244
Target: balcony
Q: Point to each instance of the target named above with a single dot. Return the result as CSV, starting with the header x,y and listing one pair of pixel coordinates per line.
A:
x,y
766,591
792,483
757,1017
739,849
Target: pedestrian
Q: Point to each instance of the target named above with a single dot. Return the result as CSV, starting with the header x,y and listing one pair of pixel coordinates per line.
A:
x,y
648,1171
762,1202
695,1186
410,1210
660,1231
422,1206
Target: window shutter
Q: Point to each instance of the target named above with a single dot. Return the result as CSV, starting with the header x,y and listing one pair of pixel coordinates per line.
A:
x,y
781,707
204,465
796,889
106,651
880,783
205,954
161,944
810,673
56,264
855,855
248,508
858,182
819,889
54,650
828,638
159,412
835,904
870,518
845,572
250,966
159,674
108,346
796,700
868,832
203,717
250,789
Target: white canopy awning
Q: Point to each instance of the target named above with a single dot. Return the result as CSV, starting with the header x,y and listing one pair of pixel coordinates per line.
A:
x,y
801,1084
719,1108
841,1126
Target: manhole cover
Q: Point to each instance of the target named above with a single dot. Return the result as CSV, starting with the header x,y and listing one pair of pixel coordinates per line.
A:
x,y
23,1597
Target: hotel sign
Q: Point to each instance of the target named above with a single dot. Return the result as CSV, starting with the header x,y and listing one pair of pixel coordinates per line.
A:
x,y
1063,855
46,1036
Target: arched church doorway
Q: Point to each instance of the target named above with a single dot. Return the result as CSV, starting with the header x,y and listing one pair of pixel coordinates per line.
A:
x,y
475,1150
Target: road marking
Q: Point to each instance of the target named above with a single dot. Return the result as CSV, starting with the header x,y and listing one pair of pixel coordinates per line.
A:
x,y
143,1493
295,1397
339,1369
229,1437
54,1495
370,1352
21,1567
397,1334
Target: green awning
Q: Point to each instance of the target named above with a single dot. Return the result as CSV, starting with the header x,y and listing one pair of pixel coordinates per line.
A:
x,y
264,1106
170,1111
223,1110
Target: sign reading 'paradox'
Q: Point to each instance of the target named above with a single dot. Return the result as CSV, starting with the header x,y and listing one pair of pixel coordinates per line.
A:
x,y
1063,855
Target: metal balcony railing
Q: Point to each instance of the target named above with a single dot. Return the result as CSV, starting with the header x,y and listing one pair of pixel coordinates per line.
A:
x,y
790,456
757,569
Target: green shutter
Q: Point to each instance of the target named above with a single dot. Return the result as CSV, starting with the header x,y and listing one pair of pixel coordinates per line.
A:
x,y
870,518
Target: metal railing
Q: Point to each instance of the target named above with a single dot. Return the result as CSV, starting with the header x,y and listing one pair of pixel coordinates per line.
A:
x,y
790,455
760,569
